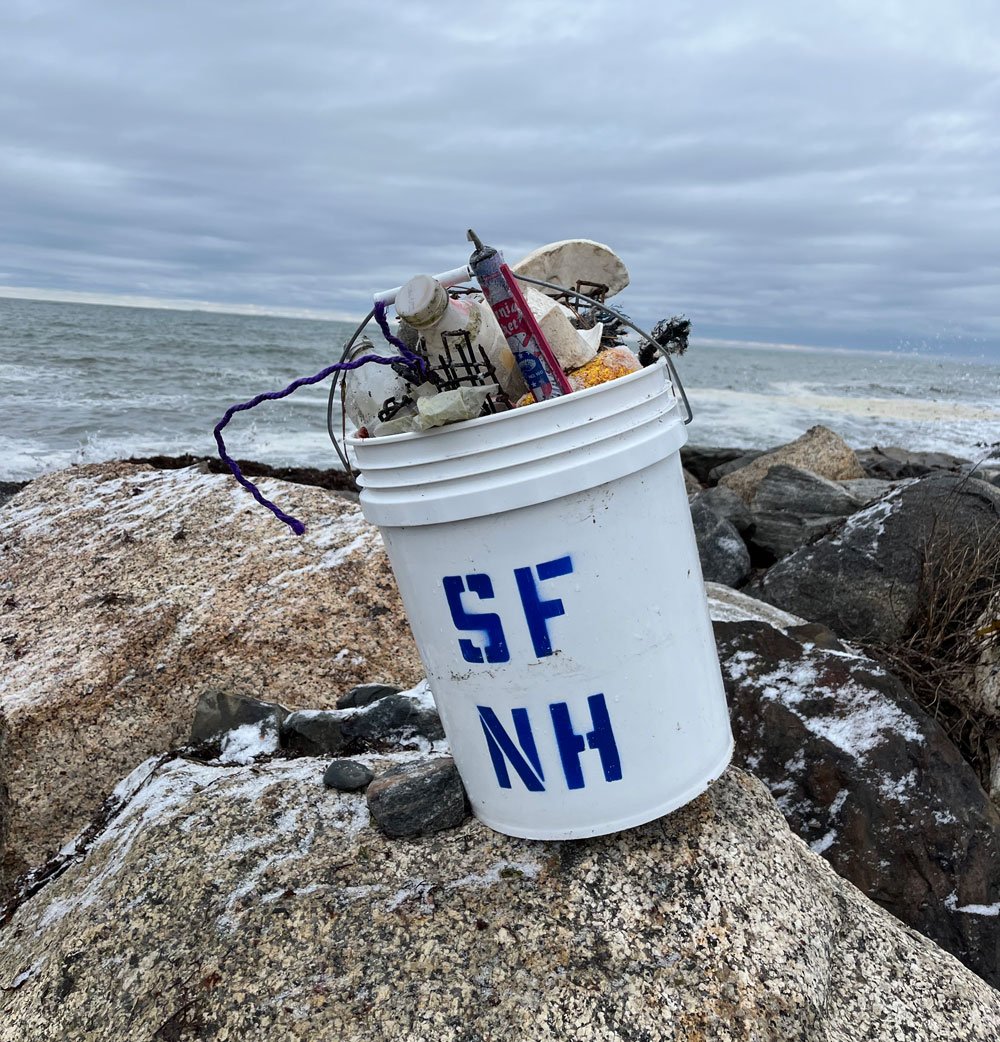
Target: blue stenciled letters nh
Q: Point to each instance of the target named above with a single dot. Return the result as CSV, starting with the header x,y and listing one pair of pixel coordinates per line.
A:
x,y
523,756
486,623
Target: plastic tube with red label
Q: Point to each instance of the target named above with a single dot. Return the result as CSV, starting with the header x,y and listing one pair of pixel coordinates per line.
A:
x,y
537,363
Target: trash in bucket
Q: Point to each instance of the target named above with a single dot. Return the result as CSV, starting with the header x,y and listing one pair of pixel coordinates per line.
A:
x,y
545,554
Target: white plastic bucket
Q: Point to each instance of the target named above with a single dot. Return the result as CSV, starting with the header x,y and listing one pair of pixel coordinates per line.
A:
x,y
548,566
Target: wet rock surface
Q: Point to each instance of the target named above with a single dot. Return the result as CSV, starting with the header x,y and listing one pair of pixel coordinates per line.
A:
x,y
723,554
863,580
869,781
252,902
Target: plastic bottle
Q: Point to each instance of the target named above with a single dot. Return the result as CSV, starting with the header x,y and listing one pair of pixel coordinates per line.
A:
x,y
424,304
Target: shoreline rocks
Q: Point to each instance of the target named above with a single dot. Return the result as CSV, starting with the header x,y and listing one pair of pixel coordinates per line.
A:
x,y
254,901
316,745
127,591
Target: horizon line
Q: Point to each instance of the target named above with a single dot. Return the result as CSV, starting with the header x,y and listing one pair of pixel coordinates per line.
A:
x,y
132,300
135,300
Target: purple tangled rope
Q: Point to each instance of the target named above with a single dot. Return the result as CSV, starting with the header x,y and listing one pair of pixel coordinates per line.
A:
x,y
405,357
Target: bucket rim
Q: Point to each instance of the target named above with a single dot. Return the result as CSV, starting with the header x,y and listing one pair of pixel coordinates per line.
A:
x,y
535,409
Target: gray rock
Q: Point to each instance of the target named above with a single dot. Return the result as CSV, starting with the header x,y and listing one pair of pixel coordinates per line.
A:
x,y
392,717
867,490
365,694
700,460
793,507
389,721
417,799
869,781
864,579
347,776
716,474
723,554
221,711
777,535
794,490
313,732
893,462
252,903
9,489
726,504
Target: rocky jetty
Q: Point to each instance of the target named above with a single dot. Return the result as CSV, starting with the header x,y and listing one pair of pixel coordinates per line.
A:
x,y
284,847
126,591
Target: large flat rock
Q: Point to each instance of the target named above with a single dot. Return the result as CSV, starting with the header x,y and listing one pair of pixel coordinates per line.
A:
x,y
253,903
125,591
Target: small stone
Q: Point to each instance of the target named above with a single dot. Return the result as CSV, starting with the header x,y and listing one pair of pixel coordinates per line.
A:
x,y
418,798
220,711
390,718
313,732
365,694
347,776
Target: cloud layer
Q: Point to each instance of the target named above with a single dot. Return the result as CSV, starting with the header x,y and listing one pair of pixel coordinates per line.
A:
x,y
820,174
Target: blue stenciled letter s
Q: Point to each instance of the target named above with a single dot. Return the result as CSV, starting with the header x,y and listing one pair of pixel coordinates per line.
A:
x,y
486,623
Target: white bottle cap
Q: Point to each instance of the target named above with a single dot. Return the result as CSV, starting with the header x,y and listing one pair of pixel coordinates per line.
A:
x,y
421,301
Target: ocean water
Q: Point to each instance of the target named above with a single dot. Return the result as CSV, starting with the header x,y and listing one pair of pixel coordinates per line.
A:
x,y
84,383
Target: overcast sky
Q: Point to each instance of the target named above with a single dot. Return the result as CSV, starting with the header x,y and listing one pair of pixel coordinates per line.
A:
x,y
822,174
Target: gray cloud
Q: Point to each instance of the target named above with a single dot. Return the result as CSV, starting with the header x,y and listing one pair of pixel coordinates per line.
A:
x,y
814,174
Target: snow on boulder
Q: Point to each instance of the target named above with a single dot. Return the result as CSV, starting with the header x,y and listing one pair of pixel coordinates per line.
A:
x,y
864,579
867,779
127,591
253,902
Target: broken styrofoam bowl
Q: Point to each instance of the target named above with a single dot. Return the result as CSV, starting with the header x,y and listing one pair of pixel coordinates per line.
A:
x,y
576,264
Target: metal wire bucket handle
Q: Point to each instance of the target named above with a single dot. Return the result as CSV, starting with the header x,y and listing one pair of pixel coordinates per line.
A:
x,y
674,375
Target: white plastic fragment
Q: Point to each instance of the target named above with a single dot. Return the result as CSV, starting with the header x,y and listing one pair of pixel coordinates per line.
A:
x,y
463,403
570,348
576,261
